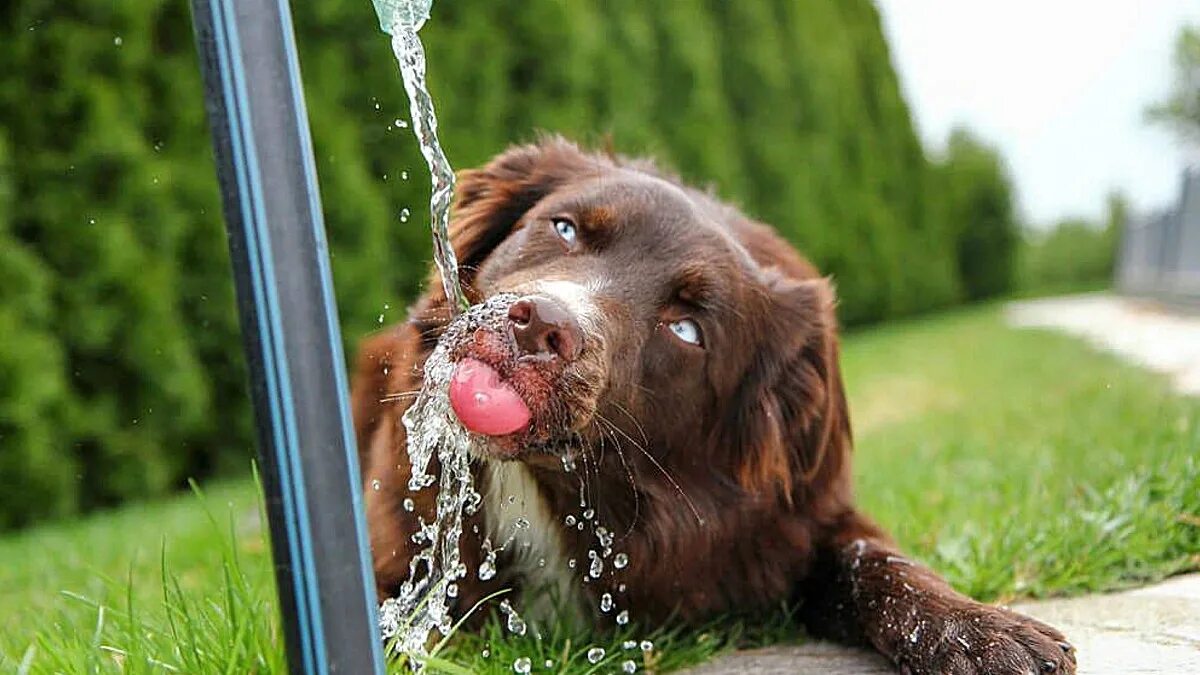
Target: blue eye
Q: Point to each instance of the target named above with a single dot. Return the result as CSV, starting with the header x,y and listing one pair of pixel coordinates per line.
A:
x,y
686,330
565,230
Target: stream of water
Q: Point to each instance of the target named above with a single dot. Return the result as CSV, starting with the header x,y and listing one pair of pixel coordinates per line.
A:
x,y
410,55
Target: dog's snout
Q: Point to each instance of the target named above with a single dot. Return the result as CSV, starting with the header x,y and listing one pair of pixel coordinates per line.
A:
x,y
544,327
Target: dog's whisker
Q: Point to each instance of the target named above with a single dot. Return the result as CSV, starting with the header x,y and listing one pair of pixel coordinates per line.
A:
x,y
637,510
389,398
641,430
666,474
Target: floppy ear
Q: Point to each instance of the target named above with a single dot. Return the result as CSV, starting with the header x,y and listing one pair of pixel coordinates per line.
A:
x,y
794,424
491,200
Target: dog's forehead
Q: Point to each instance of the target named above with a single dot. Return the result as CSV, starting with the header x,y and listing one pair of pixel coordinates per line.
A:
x,y
659,214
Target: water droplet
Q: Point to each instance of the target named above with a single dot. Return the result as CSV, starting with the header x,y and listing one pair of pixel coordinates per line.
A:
x,y
595,654
409,504
400,124
118,41
571,563
404,175
604,536
549,663
569,520
377,106
486,653
589,514
452,590
568,463
646,645
515,623
487,570
91,221
404,214
629,644
596,568
621,588
623,617
606,603
521,523
629,666
620,561
375,484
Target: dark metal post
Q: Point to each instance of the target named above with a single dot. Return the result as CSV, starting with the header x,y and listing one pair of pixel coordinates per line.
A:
x,y
289,324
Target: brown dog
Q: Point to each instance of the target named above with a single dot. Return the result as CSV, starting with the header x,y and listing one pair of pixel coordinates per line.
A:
x,y
685,359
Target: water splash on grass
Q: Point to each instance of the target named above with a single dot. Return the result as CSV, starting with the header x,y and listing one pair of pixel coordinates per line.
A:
x,y
423,604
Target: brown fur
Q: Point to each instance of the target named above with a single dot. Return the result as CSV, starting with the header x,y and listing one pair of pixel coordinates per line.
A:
x,y
753,430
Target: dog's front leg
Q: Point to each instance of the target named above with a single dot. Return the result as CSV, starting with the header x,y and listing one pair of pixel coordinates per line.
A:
x,y
862,589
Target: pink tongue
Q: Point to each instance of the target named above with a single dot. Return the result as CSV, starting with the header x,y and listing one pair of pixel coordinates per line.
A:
x,y
483,402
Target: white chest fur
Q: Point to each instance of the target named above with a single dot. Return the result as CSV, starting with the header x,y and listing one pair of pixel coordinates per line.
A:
x,y
519,519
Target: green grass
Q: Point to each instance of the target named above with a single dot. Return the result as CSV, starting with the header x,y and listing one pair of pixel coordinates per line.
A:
x,y
1017,463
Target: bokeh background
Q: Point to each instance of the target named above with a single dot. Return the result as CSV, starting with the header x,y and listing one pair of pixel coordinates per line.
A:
x,y
120,365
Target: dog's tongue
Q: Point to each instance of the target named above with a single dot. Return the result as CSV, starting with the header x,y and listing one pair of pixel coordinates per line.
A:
x,y
483,402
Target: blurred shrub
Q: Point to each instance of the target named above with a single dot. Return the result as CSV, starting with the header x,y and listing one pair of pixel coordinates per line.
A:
x,y
121,372
1076,254
1181,109
976,197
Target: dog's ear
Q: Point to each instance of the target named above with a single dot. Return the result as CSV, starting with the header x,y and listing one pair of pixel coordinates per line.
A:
x,y
491,200
794,424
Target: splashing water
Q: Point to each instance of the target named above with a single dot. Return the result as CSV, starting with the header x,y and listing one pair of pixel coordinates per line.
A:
x,y
406,18
423,604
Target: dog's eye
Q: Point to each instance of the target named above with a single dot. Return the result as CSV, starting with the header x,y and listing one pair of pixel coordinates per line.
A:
x,y
565,229
687,330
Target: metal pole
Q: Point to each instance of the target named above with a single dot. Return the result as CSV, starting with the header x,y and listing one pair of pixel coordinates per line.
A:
x,y
290,332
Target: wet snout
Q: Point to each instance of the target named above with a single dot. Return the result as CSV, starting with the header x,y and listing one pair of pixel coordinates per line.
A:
x,y
532,376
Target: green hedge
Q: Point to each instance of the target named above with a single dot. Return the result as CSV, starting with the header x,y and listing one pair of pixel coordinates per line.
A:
x,y
976,202
120,372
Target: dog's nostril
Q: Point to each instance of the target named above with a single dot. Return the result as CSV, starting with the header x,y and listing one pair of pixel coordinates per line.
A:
x,y
561,343
520,312
554,342
542,326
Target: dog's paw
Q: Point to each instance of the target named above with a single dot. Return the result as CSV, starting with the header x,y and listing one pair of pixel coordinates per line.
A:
x,y
976,639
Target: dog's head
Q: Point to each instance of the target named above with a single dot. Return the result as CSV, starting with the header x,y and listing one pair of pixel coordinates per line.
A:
x,y
649,318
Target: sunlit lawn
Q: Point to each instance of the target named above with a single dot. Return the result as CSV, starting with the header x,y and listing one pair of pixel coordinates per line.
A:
x,y
1018,463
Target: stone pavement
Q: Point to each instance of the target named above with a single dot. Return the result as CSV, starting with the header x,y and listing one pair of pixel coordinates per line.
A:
x,y
1150,630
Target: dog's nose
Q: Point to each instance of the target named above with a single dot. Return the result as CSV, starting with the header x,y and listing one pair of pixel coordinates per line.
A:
x,y
542,326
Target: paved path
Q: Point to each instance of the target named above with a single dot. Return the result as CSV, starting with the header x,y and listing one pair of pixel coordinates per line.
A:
x,y
1150,630
1138,330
